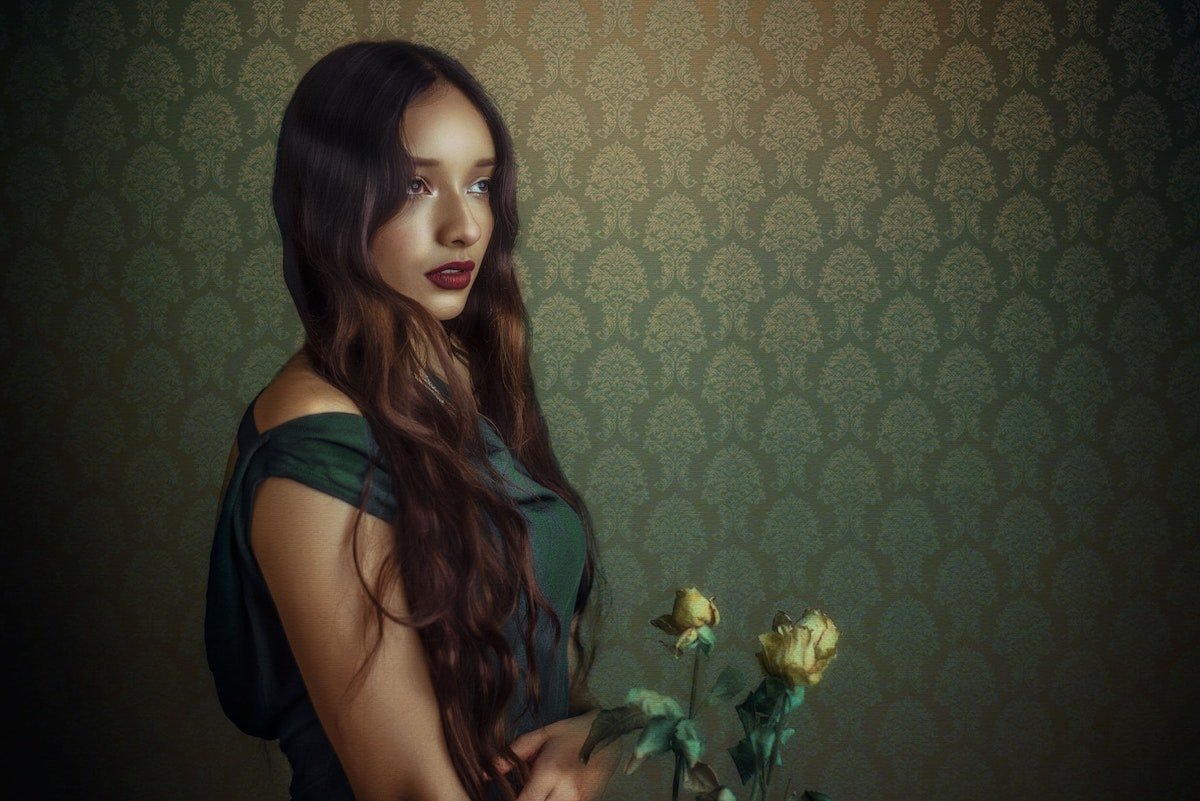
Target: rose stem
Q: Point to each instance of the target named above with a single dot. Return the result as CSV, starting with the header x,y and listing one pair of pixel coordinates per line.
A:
x,y
777,717
695,682
691,714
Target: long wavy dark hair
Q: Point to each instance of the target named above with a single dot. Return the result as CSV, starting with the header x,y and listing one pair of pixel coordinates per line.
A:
x,y
341,171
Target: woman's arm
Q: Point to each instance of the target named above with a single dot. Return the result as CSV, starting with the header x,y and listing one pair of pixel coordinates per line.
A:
x,y
553,751
388,734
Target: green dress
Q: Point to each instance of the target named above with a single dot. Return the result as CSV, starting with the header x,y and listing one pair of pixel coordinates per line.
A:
x,y
256,677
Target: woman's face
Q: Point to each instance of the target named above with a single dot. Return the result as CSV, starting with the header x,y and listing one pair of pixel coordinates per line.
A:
x,y
431,251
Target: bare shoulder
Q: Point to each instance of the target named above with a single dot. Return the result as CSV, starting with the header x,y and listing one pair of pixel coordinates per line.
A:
x,y
298,391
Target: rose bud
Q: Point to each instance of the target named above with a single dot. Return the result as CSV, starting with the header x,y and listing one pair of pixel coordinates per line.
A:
x,y
693,609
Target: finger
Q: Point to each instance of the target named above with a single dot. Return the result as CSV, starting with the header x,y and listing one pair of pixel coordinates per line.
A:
x,y
525,747
530,743
539,787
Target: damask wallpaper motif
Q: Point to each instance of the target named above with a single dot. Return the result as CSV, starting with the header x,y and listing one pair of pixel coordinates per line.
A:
x,y
889,308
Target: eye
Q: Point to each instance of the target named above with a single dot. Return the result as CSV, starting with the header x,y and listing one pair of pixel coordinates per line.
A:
x,y
416,186
481,187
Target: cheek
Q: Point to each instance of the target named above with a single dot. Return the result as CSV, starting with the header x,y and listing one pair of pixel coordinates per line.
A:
x,y
392,248
489,227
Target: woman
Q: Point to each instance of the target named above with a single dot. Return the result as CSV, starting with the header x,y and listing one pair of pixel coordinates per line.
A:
x,y
397,550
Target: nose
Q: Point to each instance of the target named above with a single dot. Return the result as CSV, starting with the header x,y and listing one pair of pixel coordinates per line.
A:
x,y
457,226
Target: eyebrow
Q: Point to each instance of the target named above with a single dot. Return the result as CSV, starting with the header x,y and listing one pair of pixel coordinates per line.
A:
x,y
420,162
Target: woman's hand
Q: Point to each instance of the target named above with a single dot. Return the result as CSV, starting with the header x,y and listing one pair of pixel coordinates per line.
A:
x,y
556,771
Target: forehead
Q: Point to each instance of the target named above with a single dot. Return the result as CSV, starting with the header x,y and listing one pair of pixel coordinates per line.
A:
x,y
444,125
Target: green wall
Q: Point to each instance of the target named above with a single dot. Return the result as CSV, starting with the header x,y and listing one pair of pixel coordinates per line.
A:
x,y
885,308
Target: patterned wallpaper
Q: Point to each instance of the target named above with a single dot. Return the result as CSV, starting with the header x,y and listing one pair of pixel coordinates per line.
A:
x,y
890,308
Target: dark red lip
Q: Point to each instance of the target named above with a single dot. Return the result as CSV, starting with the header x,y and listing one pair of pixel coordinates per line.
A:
x,y
465,266
453,275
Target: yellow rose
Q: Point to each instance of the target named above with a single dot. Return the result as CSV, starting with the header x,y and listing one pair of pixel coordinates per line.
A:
x,y
799,652
693,609
690,620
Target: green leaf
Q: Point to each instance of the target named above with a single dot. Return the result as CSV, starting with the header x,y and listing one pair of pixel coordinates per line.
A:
x,y
784,736
700,778
706,638
761,740
634,763
654,704
813,795
656,737
761,700
747,718
793,697
744,760
729,682
721,793
609,725
686,741
755,708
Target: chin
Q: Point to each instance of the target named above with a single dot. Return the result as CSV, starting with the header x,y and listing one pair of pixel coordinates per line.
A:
x,y
446,311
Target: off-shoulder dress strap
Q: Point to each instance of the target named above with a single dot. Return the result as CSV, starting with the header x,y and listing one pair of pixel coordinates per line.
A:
x,y
332,452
